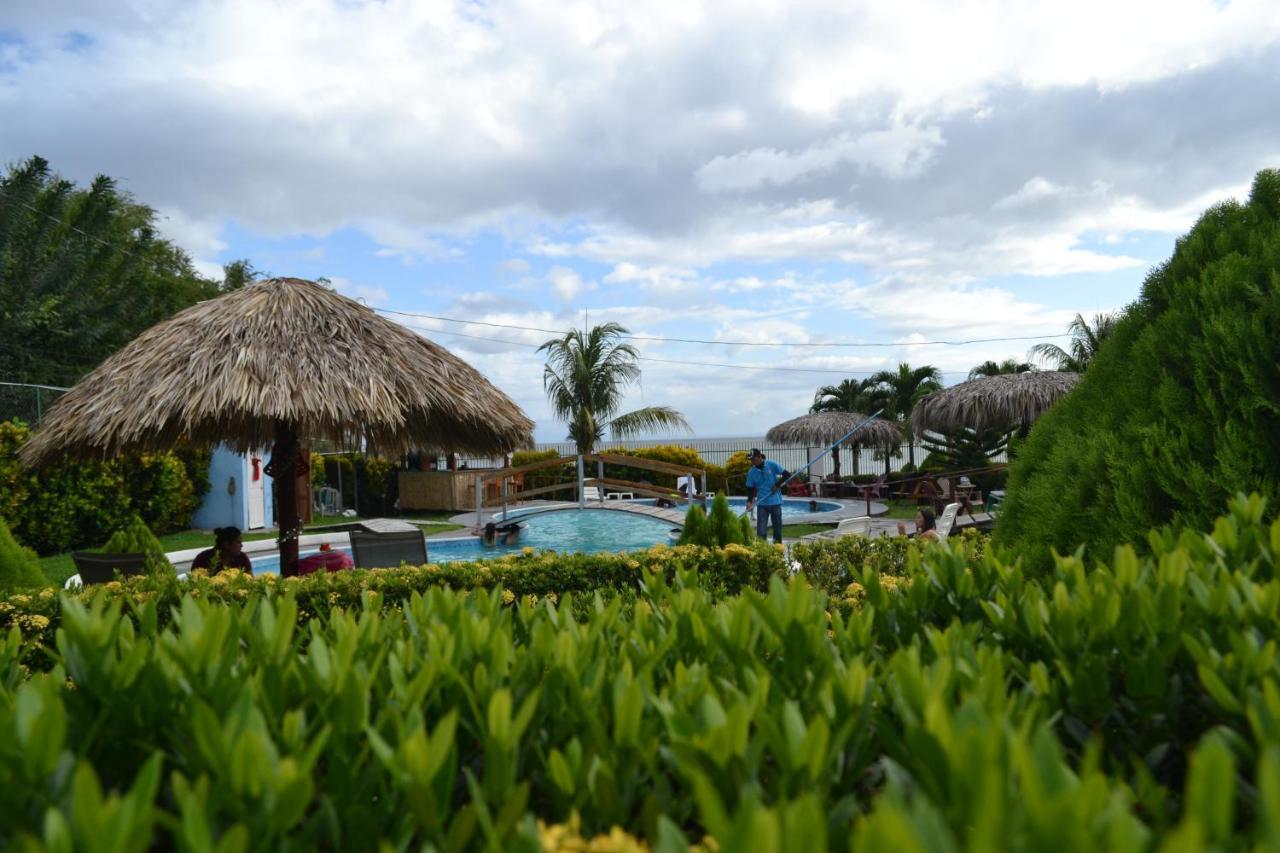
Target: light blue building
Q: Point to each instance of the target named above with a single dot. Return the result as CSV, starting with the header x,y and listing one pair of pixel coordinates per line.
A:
x,y
239,492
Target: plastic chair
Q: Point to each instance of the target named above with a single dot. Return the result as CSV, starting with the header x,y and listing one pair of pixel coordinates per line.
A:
x,y
387,550
100,568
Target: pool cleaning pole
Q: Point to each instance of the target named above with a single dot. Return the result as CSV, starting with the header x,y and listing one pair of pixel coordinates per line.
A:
x,y
839,442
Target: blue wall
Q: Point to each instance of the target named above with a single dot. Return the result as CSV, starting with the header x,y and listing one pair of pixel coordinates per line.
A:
x,y
220,509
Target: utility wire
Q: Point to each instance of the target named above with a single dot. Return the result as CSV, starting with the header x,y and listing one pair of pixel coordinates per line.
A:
x,y
727,343
769,368
82,232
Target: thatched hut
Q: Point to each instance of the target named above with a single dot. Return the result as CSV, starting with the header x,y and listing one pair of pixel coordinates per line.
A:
x,y
268,364
823,429
1006,402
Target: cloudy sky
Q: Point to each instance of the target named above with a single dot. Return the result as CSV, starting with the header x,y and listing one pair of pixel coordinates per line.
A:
x,y
785,173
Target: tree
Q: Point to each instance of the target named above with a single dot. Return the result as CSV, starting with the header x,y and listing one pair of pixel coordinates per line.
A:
x,y
585,377
82,272
1086,339
1009,365
899,390
851,395
1178,411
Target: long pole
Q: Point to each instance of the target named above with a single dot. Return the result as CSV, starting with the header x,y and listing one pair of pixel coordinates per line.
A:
x,y
817,458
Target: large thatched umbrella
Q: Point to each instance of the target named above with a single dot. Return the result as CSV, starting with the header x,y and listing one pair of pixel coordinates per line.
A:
x,y
267,364
1006,402
824,429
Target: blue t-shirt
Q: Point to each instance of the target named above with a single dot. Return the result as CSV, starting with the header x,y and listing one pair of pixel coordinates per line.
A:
x,y
764,479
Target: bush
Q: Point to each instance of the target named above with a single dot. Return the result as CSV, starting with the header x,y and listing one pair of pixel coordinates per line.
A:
x,y
77,505
135,538
735,472
719,529
19,568
1178,410
954,705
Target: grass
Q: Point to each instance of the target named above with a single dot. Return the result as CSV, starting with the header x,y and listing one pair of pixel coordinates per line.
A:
x,y
58,567
795,531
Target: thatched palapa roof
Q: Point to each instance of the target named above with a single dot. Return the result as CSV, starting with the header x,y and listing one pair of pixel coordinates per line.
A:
x,y
1003,402
823,429
280,352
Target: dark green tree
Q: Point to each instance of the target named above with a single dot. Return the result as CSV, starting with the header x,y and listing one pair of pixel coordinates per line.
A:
x,y
899,390
1180,406
585,377
82,272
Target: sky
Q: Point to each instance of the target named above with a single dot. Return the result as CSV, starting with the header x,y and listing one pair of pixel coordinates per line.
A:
x,y
838,183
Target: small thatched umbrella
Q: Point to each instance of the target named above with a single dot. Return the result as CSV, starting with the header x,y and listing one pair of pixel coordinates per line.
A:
x,y
826,428
267,364
1006,402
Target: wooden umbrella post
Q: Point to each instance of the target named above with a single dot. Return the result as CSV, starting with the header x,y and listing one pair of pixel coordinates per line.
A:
x,y
285,483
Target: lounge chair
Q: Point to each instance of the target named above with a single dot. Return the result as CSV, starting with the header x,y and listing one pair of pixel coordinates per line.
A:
x,y
860,526
387,550
947,521
591,493
100,568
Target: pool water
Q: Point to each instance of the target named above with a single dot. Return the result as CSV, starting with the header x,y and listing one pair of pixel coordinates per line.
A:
x,y
586,531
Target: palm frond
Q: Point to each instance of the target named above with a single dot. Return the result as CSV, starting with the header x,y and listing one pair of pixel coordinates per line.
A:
x,y
647,420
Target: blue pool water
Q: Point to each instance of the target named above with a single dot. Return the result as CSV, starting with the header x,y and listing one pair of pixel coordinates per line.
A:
x,y
588,531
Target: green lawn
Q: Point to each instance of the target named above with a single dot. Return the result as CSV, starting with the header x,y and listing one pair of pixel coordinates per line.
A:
x,y
58,567
795,531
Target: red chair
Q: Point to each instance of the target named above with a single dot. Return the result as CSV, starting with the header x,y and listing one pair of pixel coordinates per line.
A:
x,y
797,489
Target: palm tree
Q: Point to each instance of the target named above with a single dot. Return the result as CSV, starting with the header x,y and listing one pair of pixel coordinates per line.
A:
x,y
1009,365
1085,341
901,389
851,395
585,376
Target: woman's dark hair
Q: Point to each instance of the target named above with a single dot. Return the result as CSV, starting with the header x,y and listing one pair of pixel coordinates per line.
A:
x,y
929,521
225,535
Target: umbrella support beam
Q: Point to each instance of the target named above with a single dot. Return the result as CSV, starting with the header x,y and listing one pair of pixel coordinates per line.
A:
x,y
284,456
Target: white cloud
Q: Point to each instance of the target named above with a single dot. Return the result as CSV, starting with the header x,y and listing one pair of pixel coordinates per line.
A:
x,y
897,152
566,284
515,266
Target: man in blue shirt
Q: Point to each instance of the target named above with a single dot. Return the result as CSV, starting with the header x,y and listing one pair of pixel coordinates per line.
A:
x,y
763,493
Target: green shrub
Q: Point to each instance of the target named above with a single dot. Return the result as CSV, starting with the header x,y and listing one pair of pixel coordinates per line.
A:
x,y
135,538
1178,410
19,568
723,525
735,472
695,530
78,504
954,705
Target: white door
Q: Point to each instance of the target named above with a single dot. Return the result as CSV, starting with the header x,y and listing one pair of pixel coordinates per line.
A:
x,y
256,494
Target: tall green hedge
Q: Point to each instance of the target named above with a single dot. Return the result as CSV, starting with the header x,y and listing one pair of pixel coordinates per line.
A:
x,y
1181,407
19,568
79,504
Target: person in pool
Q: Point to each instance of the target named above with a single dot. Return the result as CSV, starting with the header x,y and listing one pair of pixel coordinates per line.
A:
x,y
926,526
507,534
226,553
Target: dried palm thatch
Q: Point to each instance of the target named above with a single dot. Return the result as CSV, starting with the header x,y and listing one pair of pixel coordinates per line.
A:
x,y
823,429
280,352
1003,402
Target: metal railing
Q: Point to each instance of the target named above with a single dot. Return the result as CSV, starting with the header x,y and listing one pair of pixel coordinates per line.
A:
x,y
27,402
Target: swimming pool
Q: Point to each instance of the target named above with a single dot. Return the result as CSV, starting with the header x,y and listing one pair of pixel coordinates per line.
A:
x,y
588,531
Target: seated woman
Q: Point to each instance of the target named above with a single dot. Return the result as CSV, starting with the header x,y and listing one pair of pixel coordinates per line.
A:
x,y
926,526
226,553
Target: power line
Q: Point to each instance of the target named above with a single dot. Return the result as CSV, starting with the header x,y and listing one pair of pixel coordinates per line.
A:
x,y
662,339
682,363
82,232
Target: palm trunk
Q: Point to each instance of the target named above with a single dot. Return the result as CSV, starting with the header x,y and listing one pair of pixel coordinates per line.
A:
x,y
285,484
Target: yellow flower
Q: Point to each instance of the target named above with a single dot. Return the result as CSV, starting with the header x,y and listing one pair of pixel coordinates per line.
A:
x,y
46,593
553,598
114,586
532,599
20,599
508,596
527,551
632,564
35,622
737,550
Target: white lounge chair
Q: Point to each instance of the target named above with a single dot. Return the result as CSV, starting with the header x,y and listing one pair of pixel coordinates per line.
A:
x,y
591,493
860,526
947,520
